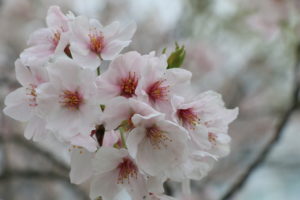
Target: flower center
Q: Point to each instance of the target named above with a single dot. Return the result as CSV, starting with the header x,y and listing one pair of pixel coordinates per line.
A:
x,y
157,137
56,38
71,100
127,170
96,42
157,91
31,92
188,117
128,85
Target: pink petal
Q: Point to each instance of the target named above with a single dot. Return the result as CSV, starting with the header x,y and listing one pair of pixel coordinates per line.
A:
x,y
113,48
55,18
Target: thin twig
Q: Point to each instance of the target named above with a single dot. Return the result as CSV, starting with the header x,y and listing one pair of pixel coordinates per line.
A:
x,y
276,137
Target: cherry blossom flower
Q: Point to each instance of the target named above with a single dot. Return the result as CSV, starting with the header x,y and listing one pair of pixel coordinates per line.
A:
x,y
50,41
67,101
91,42
21,104
195,166
207,120
114,171
159,84
156,143
121,78
83,151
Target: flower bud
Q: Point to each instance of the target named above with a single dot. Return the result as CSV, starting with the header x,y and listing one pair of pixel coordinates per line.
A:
x,y
176,58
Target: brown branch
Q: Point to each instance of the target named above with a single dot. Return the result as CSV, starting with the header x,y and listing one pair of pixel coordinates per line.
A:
x,y
276,137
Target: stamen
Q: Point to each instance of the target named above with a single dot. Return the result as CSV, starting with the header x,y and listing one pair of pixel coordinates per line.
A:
x,y
31,92
158,92
127,170
56,38
128,85
71,100
188,118
157,137
96,41
212,138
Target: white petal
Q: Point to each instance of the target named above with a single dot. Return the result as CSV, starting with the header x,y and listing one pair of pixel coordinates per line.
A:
x,y
55,18
111,29
17,105
85,141
106,91
36,129
137,187
152,160
116,111
155,184
81,30
134,139
89,61
94,23
23,73
47,98
81,166
113,48
40,36
105,186
177,76
63,73
146,121
107,159
127,32
37,55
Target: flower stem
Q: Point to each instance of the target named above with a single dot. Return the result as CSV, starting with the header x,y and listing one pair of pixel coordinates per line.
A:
x,y
123,137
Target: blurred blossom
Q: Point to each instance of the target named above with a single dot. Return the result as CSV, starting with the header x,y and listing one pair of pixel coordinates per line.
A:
x,y
10,9
225,8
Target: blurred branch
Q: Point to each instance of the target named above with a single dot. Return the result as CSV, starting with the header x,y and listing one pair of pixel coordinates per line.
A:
x,y
8,174
32,174
283,120
32,147
8,194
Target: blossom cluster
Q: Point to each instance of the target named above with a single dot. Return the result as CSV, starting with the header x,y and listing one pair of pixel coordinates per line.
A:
x,y
129,127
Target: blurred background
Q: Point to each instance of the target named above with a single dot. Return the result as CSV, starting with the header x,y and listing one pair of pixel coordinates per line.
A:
x,y
246,50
